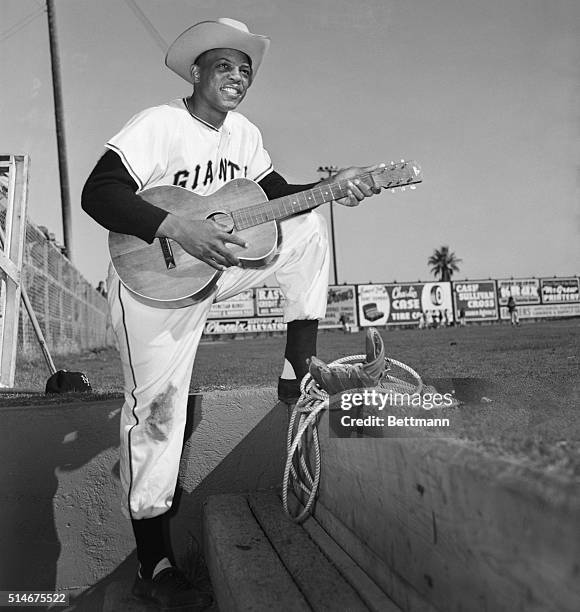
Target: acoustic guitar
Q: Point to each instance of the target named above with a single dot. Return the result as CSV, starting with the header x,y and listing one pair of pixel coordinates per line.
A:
x,y
164,275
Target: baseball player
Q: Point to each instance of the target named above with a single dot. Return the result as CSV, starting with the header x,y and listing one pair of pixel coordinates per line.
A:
x,y
198,143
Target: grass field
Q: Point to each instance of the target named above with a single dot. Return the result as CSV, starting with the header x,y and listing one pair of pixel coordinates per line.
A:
x,y
534,371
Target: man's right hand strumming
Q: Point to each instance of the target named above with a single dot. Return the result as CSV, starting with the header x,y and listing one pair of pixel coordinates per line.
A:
x,y
204,240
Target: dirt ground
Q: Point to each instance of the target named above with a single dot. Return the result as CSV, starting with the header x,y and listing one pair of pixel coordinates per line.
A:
x,y
532,374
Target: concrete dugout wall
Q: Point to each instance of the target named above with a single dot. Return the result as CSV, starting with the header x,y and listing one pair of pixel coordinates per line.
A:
x,y
441,525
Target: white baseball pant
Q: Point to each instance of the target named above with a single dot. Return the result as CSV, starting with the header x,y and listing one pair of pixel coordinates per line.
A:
x,y
158,348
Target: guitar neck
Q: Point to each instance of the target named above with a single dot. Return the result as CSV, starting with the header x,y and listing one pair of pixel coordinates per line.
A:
x,y
284,207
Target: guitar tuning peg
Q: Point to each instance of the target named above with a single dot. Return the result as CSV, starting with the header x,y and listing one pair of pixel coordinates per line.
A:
x,y
402,161
393,190
413,187
403,188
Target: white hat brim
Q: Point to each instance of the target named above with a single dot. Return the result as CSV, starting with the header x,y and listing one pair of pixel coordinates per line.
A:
x,y
213,35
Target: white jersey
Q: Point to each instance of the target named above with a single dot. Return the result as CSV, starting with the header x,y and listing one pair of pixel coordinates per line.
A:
x,y
166,145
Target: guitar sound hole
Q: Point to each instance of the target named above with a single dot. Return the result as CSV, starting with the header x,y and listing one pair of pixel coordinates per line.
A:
x,y
224,220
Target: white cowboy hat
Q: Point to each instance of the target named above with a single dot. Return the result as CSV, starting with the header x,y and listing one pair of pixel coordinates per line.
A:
x,y
221,34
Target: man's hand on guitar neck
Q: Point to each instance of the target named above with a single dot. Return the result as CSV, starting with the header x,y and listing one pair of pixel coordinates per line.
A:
x,y
358,189
205,240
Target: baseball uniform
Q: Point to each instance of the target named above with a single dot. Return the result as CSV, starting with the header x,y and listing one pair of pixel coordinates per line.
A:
x,y
166,145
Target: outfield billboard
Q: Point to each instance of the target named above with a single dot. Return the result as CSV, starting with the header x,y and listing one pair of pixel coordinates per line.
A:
x,y
239,306
340,306
402,303
269,301
478,299
544,311
523,290
559,290
244,326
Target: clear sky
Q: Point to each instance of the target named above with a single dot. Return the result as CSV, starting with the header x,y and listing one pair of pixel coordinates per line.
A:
x,y
485,95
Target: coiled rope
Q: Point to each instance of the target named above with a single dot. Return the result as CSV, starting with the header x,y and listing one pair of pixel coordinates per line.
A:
x,y
313,401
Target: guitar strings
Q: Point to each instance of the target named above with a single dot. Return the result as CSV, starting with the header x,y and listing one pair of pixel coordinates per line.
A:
x,y
249,216
249,213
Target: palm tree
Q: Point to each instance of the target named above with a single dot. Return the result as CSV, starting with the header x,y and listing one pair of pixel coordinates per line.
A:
x,y
443,263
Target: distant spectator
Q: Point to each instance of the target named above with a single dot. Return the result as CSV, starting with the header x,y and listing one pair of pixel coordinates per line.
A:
x,y
513,310
346,323
102,289
422,321
462,317
428,319
448,322
435,319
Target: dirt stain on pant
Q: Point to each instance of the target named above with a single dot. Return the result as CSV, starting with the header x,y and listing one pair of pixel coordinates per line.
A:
x,y
161,414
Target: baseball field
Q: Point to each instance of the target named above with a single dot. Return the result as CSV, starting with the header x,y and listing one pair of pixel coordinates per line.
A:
x,y
531,373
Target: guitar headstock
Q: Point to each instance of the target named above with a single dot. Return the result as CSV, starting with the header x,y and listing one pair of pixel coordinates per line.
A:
x,y
398,174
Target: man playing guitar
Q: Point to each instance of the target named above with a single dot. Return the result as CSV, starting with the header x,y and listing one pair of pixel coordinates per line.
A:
x,y
198,143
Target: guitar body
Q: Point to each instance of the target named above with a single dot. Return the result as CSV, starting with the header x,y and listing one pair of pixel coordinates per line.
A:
x,y
143,268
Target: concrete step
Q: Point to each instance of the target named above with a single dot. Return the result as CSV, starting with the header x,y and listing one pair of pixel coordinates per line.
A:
x,y
260,560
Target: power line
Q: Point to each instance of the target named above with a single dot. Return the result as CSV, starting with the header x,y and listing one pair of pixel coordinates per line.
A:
x,y
159,40
22,23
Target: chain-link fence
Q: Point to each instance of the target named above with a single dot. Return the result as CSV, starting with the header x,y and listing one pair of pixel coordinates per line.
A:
x,y
70,312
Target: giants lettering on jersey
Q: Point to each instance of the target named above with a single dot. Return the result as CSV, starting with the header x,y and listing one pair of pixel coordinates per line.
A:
x,y
226,172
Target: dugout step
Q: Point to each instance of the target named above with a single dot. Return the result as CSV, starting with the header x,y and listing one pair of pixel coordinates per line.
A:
x,y
260,560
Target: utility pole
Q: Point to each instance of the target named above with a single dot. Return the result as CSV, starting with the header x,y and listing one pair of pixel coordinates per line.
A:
x,y
59,122
330,172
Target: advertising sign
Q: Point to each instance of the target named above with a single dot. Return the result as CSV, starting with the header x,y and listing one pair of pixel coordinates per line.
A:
x,y
240,306
269,301
402,303
523,290
340,306
559,290
544,311
244,326
478,299
374,305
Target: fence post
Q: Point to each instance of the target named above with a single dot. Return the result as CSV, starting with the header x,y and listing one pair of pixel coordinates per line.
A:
x,y
11,258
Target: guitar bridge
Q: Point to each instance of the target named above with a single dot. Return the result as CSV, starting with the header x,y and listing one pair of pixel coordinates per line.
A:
x,y
167,253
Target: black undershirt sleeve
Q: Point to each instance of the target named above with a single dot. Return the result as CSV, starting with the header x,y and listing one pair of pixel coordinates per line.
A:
x,y
109,197
275,186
